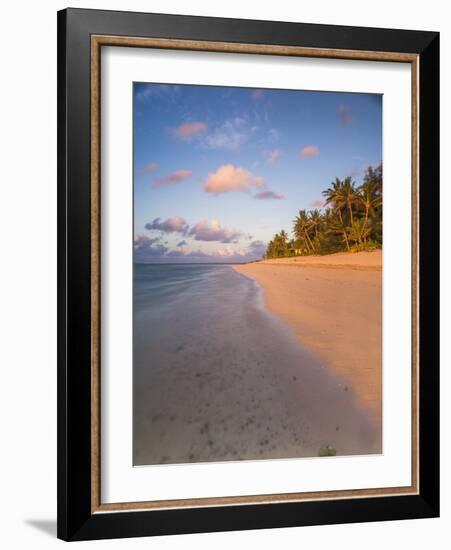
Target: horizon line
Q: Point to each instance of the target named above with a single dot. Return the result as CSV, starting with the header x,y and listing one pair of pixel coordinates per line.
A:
x,y
193,263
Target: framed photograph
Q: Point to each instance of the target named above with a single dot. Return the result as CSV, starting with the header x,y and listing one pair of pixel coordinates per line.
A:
x,y
248,274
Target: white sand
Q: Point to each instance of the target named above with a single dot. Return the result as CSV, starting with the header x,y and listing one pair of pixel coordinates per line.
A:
x,y
334,305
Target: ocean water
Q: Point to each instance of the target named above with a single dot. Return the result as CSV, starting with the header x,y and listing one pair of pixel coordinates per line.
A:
x,y
217,377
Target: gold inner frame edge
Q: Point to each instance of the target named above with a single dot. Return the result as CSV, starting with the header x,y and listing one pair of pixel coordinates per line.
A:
x,y
97,41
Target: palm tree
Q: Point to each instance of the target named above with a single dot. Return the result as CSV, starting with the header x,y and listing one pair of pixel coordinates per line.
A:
x,y
359,231
353,216
333,225
301,229
315,218
337,199
374,175
283,236
350,196
370,199
279,245
333,193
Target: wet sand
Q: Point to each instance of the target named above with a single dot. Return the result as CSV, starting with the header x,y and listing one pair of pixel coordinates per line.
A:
x,y
334,306
218,377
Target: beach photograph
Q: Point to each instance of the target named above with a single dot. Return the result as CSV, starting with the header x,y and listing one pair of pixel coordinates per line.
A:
x,y
257,274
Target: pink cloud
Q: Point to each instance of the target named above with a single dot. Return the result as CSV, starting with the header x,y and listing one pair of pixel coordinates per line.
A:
x,y
318,203
228,252
176,224
152,167
309,151
272,156
188,130
171,179
269,195
344,114
211,230
232,178
139,241
359,171
146,251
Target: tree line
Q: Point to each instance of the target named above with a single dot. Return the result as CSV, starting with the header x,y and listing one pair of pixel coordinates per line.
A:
x,y
351,221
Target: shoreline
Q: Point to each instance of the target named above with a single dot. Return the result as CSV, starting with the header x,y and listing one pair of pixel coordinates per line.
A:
x,y
360,261
333,304
218,377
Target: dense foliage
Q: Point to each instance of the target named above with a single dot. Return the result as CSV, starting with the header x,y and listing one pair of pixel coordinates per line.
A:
x,y
350,221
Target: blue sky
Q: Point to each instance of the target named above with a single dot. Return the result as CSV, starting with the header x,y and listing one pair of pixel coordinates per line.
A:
x,y
219,170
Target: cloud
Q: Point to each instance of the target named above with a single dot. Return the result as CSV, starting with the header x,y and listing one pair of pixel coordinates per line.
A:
x,y
231,135
359,171
344,114
176,224
188,130
172,179
142,241
318,203
175,254
262,105
309,151
146,253
227,250
144,249
197,254
273,135
232,178
256,250
265,195
152,167
230,254
146,91
272,156
211,230
257,94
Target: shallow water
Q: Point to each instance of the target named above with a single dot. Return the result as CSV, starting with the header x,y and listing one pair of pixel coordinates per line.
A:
x,y
217,377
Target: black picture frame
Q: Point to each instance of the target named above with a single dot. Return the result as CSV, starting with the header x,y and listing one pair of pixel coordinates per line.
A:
x,y
75,518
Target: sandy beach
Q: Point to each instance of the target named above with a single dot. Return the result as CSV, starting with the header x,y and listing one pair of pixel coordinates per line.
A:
x,y
334,306
220,376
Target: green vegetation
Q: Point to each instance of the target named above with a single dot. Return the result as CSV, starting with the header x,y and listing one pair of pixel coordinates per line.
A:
x,y
351,221
327,451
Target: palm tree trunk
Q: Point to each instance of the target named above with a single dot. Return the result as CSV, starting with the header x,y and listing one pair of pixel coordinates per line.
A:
x,y
309,240
306,242
344,229
350,213
367,211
